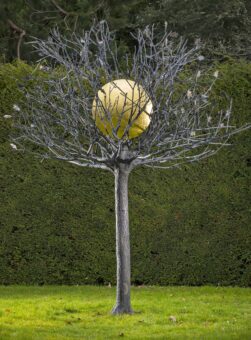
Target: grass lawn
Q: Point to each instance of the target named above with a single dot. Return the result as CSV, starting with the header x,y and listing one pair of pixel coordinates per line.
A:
x,y
83,312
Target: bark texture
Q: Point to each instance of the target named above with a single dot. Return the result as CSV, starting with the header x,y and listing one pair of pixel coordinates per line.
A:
x,y
123,303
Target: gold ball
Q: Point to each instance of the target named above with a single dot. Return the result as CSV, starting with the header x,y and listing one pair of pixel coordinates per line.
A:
x,y
121,103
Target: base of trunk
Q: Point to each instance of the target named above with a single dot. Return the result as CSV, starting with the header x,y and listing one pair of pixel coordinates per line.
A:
x,y
118,309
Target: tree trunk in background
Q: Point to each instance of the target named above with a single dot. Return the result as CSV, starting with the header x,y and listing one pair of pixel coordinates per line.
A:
x,y
123,302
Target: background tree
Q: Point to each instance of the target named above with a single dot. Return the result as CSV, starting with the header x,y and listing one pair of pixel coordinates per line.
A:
x,y
72,116
37,18
223,26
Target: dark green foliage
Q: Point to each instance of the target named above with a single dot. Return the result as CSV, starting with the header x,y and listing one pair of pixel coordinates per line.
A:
x,y
188,226
37,18
224,26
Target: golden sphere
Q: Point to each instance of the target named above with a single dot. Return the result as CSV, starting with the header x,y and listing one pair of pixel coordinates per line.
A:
x,y
120,103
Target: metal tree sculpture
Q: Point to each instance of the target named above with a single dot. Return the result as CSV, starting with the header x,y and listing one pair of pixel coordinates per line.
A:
x,y
73,116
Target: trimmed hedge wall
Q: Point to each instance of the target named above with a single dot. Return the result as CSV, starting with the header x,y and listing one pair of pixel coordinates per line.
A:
x,y
188,227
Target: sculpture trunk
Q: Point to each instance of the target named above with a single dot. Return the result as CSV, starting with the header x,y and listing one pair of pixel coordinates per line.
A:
x,y
123,303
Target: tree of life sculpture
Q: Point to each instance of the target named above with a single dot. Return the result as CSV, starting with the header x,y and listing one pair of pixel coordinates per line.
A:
x,y
116,112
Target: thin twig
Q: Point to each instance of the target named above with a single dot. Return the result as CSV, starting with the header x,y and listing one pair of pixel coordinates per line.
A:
x,y
21,32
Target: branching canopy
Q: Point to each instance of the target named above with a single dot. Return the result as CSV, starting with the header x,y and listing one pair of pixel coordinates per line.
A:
x,y
57,114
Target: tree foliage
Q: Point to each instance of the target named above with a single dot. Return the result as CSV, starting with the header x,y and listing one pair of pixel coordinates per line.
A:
x,y
224,26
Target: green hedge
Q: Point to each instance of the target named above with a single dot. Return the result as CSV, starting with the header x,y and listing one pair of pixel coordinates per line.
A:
x,y
188,227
